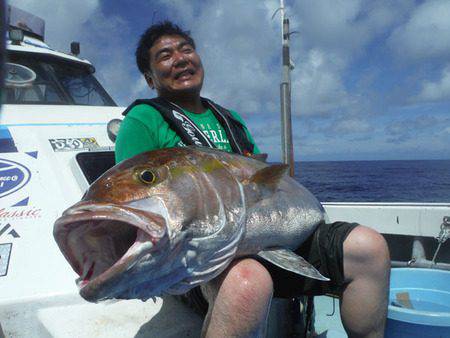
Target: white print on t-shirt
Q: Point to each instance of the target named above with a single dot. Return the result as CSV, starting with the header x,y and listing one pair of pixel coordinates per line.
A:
x,y
216,135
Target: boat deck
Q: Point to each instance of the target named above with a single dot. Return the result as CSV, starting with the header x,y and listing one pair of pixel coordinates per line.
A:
x,y
327,321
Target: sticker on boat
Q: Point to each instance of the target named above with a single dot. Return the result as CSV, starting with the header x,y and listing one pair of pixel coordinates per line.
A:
x,y
73,144
20,213
11,231
13,177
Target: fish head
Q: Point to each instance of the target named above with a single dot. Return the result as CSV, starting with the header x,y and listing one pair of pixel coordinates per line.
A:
x,y
126,237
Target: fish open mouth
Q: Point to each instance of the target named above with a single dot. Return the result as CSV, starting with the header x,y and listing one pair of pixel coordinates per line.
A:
x,y
99,243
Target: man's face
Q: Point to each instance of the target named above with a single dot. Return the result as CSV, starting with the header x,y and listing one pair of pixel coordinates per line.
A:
x,y
176,68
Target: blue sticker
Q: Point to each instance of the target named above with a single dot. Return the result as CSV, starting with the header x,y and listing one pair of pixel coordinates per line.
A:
x,y
7,144
32,153
22,203
13,176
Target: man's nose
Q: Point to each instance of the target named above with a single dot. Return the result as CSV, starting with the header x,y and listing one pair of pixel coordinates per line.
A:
x,y
180,59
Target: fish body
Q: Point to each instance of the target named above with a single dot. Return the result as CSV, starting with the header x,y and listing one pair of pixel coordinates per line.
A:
x,y
171,219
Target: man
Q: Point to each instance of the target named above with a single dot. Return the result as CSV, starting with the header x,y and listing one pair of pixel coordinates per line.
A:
x,y
177,76
355,258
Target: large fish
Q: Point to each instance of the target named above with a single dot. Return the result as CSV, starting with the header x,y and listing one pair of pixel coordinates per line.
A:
x,y
171,219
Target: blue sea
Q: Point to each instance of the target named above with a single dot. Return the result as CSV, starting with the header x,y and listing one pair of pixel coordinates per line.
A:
x,y
377,181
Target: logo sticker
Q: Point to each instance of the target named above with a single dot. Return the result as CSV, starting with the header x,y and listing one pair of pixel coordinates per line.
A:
x,y
73,144
5,253
12,232
13,176
20,213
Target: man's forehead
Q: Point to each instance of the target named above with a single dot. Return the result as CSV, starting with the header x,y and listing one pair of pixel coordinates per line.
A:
x,y
166,41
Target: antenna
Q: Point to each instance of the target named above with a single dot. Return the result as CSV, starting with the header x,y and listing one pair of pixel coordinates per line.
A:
x,y
285,93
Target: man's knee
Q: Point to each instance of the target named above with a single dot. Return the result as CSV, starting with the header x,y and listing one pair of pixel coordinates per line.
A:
x,y
248,280
245,285
366,246
240,300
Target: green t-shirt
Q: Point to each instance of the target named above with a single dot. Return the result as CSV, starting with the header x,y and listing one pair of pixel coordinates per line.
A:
x,y
144,129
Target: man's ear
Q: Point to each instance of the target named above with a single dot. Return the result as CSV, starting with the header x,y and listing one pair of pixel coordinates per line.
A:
x,y
149,79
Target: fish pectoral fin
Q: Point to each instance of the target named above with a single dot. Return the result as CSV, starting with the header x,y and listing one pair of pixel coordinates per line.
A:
x,y
260,157
270,176
288,260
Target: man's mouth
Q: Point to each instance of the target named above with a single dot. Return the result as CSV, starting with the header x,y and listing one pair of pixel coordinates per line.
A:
x,y
185,74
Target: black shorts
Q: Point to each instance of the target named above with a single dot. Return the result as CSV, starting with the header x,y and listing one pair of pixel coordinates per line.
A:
x,y
324,249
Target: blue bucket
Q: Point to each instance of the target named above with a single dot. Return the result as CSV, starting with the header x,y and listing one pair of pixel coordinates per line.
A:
x,y
419,303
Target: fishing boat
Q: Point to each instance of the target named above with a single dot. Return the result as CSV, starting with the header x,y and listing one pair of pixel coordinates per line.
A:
x,y
57,129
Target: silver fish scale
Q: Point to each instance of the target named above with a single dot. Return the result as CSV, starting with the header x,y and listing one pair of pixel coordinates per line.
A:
x,y
285,219
281,218
212,255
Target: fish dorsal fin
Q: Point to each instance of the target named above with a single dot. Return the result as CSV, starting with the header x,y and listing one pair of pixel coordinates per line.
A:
x,y
270,176
288,260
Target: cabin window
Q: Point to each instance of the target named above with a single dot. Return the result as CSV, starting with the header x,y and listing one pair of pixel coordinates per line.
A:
x,y
41,90
80,85
56,82
94,163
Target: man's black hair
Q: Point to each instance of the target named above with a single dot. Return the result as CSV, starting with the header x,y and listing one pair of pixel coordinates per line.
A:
x,y
150,36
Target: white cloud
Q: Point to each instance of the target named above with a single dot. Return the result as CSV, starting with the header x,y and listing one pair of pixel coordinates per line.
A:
x,y
63,19
112,57
425,34
344,27
240,47
328,25
352,125
332,35
409,128
241,56
238,44
436,91
101,39
317,86
139,88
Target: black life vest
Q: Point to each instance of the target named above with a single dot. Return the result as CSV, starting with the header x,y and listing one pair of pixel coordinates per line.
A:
x,y
190,134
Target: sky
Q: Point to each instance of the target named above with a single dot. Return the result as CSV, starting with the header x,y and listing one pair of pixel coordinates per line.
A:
x,y
371,78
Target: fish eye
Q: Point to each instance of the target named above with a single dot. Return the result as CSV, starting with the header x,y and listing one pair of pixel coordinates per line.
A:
x,y
147,176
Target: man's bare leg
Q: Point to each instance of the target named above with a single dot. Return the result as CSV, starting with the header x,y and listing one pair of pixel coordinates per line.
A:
x,y
366,269
239,301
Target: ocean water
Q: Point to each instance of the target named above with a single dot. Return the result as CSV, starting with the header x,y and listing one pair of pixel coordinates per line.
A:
x,y
377,181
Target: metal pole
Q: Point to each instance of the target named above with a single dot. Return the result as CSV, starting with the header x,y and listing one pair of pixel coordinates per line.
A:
x,y
285,97
286,138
